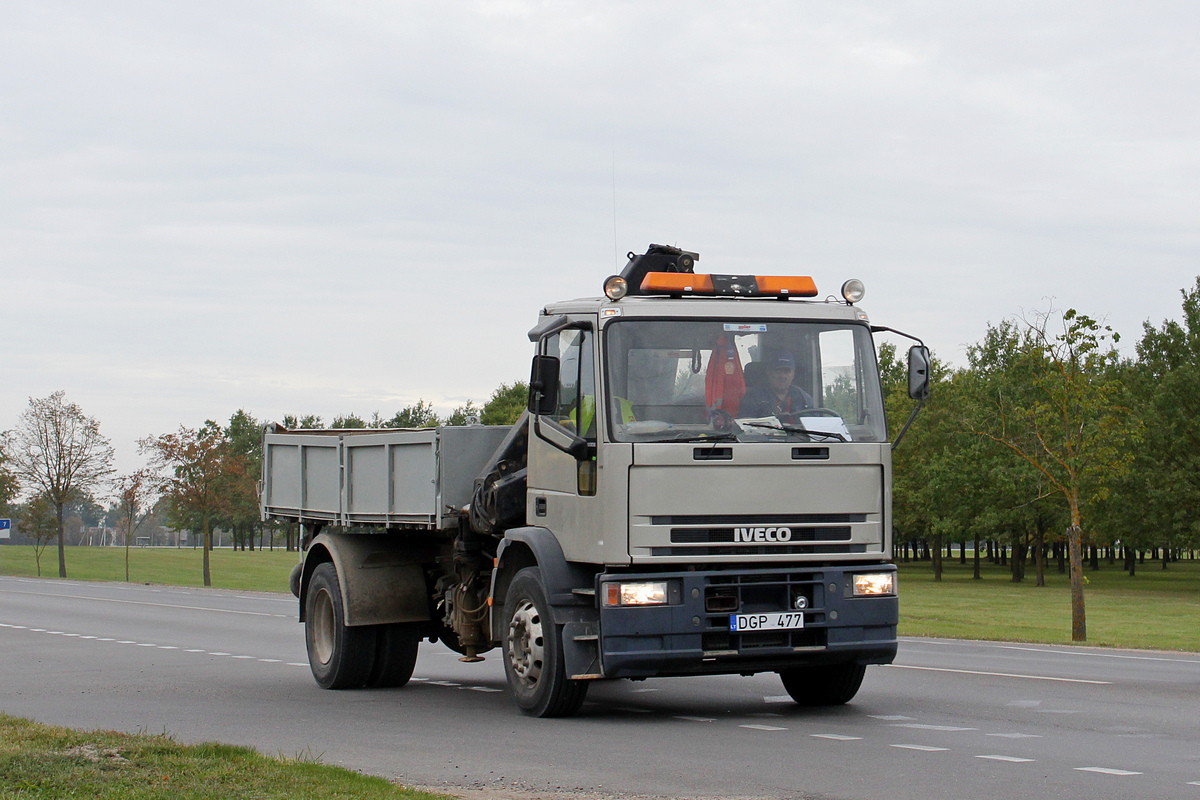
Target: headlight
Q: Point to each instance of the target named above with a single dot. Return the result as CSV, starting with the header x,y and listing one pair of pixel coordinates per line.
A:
x,y
872,583
642,593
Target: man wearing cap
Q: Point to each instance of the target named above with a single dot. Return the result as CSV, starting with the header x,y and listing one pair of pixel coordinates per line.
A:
x,y
780,397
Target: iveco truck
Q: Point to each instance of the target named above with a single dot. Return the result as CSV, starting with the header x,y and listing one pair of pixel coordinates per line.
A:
x,y
701,485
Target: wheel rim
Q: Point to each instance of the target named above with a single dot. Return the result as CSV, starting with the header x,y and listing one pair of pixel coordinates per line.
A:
x,y
526,644
322,626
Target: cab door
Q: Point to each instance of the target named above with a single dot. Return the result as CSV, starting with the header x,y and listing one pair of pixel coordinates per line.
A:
x,y
564,483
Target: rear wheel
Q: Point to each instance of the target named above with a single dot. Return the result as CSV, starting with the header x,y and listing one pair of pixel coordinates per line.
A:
x,y
340,656
533,652
395,655
825,685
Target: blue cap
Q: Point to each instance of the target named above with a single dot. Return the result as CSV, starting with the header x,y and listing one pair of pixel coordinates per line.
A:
x,y
782,361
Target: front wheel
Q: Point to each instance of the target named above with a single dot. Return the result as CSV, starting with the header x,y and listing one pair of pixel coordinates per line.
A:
x,y
340,656
825,685
533,652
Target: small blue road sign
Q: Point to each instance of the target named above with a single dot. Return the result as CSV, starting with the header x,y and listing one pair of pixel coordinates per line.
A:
x,y
5,528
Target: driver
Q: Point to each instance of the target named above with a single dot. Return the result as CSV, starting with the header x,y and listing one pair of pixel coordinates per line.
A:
x,y
780,397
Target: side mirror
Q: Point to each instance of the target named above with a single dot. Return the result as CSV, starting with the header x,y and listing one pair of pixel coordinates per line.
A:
x,y
918,372
543,385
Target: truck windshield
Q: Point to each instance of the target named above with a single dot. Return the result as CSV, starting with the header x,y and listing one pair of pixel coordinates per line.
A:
x,y
734,379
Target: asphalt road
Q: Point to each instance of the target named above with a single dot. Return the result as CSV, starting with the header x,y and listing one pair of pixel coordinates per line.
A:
x,y
952,719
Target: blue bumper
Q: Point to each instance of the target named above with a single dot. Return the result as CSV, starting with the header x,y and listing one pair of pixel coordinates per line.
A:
x,y
692,636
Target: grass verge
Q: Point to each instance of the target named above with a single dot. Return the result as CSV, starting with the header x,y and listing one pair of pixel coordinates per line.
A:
x,y
244,570
47,762
1156,608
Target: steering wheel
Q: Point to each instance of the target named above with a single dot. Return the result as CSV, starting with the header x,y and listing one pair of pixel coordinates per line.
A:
x,y
816,412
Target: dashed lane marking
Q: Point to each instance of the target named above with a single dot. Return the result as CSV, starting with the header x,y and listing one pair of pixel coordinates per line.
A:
x,y
1016,735
837,737
1002,674
919,726
694,719
924,748
762,727
1012,759
890,717
1107,771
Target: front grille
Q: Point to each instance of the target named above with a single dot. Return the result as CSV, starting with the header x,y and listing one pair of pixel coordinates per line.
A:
x,y
763,592
758,519
758,550
715,535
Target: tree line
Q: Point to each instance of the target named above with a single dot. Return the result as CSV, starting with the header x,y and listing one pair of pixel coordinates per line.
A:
x,y
1049,446
56,461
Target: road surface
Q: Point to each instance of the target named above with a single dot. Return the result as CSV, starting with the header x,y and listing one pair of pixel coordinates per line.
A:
x,y
951,719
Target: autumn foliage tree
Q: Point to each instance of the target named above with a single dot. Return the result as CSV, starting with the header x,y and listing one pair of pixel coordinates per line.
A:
x,y
190,469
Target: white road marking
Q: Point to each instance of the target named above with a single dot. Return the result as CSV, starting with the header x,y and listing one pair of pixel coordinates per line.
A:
x,y
643,691
270,660
1193,783
167,647
837,737
919,726
924,748
484,689
218,654
243,656
1107,771
156,605
890,717
1001,674
778,698
762,727
1099,655
297,664
445,683
631,710
194,650
1016,735
696,719
1012,759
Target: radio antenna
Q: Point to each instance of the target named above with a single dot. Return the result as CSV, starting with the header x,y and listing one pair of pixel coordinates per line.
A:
x,y
616,244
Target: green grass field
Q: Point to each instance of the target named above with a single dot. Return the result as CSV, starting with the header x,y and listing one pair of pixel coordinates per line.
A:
x,y
48,762
1154,609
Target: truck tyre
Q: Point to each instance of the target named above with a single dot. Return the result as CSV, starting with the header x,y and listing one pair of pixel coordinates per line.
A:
x,y
826,685
533,652
395,655
340,657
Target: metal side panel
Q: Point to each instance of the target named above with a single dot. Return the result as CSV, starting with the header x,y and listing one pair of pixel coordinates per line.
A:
x,y
464,452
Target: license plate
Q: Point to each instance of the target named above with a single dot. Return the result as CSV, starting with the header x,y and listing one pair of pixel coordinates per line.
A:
x,y
773,621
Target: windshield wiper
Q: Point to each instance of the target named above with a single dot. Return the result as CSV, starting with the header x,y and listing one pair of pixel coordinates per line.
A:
x,y
716,436
793,429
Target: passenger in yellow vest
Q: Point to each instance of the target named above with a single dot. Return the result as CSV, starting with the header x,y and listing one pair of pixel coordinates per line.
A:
x,y
587,414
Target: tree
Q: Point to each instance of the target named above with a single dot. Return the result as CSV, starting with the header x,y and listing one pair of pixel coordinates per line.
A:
x,y
136,493
10,487
1054,400
463,414
304,422
420,415
39,523
349,421
243,470
189,466
505,404
58,451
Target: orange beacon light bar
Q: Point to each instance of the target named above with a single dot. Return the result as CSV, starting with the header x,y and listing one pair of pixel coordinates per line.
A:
x,y
685,283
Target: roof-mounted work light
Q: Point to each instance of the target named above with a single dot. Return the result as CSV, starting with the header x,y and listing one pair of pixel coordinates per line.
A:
x,y
853,291
615,287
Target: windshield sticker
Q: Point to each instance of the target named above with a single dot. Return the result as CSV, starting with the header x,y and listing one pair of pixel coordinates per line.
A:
x,y
746,327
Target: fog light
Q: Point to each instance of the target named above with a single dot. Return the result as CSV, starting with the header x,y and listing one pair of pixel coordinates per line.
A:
x,y
874,583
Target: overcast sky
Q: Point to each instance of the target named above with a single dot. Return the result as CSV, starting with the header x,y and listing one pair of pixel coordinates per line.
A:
x,y
334,207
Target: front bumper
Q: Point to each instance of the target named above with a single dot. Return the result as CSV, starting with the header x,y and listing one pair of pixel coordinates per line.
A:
x,y
692,636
